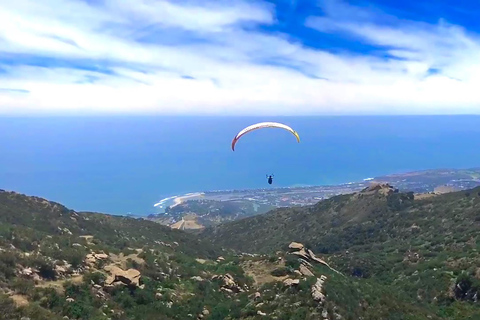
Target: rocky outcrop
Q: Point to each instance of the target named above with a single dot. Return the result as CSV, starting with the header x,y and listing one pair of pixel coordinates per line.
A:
x,y
30,273
291,282
229,284
118,276
305,271
302,253
381,188
92,258
307,256
317,289
296,246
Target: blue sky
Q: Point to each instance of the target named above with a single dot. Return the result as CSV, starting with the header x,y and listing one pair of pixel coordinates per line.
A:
x,y
239,57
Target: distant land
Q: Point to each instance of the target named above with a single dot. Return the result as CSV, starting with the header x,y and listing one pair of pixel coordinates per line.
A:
x,y
214,207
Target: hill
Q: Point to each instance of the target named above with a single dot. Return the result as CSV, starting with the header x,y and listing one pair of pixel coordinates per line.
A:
x,y
198,214
422,247
56,263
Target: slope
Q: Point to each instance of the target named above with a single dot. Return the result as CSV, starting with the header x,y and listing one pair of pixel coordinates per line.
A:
x,y
427,249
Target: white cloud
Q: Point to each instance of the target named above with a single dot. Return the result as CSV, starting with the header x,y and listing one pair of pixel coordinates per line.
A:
x,y
228,64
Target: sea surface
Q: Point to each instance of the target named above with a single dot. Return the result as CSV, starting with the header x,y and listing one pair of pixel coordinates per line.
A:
x,y
124,165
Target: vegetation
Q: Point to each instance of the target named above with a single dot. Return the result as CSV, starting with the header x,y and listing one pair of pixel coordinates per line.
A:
x,y
426,249
399,258
211,212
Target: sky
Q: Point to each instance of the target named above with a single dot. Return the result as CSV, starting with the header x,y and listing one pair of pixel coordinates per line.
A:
x,y
239,57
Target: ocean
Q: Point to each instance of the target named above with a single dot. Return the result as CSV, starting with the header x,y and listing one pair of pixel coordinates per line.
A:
x,y
122,165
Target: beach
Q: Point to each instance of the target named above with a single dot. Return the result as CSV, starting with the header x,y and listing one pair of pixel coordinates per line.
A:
x,y
188,196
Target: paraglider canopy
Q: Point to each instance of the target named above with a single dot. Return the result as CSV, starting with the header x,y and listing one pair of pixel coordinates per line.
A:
x,y
262,125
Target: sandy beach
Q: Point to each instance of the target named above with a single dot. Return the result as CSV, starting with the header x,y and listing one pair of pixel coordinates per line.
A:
x,y
190,196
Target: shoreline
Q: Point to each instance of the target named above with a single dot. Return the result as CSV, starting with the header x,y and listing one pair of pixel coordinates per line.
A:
x,y
179,199
447,176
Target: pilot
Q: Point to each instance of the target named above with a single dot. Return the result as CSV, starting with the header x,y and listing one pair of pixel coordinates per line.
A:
x,y
269,179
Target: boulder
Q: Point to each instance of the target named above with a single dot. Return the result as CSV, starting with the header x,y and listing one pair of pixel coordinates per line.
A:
x,y
296,246
305,271
101,256
302,253
317,288
196,278
130,277
291,282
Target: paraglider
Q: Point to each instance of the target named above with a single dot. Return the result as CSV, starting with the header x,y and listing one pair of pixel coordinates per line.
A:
x,y
269,179
262,125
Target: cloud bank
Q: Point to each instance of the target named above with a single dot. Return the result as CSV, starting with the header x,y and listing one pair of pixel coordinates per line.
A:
x,y
234,57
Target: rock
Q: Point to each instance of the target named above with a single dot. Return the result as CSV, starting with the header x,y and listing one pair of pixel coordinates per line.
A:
x,y
382,188
27,272
296,246
291,282
196,278
60,269
305,271
257,295
76,245
70,300
324,314
158,295
306,263
220,259
101,256
226,290
314,258
201,261
130,277
317,293
205,312
229,283
90,259
302,253
260,313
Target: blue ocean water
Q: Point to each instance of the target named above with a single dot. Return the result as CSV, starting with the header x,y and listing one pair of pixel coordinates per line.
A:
x,y
125,165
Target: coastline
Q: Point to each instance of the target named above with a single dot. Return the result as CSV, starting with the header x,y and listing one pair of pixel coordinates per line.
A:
x,y
417,181
179,199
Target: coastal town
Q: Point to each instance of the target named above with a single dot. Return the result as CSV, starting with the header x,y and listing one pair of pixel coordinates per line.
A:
x,y
428,181
197,210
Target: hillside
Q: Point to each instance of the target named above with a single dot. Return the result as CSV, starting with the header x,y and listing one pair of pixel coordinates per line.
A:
x,y
197,214
421,247
56,263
